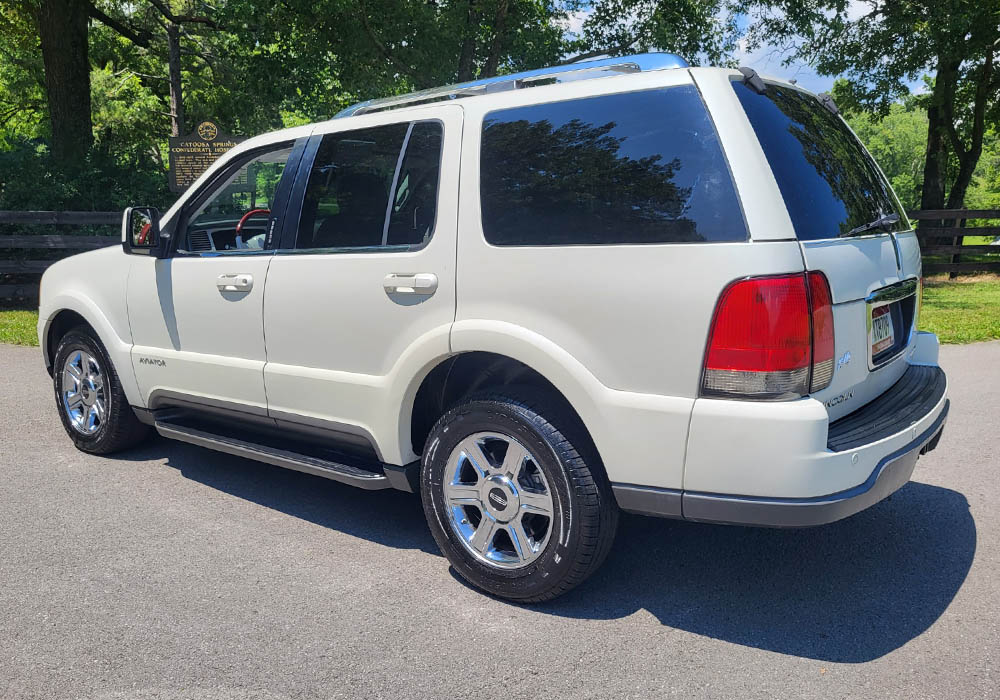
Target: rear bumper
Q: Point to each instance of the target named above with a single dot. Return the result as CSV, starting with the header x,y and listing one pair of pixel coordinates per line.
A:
x,y
892,472
872,453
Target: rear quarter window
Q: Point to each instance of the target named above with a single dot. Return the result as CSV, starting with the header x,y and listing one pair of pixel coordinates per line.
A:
x,y
828,180
640,167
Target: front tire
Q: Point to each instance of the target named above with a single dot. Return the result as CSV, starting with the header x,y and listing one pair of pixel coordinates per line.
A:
x,y
516,496
89,396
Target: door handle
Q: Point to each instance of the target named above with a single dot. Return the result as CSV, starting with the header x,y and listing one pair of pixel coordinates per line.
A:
x,y
424,283
235,282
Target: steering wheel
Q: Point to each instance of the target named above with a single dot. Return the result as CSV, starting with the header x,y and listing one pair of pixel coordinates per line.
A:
x,y
252,212
143,234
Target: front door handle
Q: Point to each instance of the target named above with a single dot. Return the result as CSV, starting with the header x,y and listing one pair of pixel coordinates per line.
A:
x,y
235,282
423,283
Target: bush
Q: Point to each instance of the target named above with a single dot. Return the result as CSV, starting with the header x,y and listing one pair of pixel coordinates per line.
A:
x,y
31,180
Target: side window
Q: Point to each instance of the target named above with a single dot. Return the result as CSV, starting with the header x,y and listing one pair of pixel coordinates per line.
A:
x,y
366,191
236,215
414,203
640,167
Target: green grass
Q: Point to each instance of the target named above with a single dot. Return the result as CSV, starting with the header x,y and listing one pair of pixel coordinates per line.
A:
x,y
18,327
965,310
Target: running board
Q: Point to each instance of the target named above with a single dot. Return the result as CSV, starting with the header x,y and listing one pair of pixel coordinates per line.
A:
x,y
343,473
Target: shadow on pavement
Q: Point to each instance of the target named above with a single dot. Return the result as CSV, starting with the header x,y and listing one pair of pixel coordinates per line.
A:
x,y
847,592
389,517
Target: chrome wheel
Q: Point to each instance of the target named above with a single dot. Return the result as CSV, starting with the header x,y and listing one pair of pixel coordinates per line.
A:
x,y
499,502
83,396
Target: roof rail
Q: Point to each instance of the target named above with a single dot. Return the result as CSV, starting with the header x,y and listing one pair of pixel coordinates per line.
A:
x,y
581,70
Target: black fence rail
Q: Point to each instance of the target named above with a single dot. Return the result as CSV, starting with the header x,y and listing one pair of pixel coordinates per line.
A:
x,y
942,234
25,256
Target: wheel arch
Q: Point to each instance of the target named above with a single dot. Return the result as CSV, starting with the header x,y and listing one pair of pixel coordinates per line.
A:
x,y
67,311
489,355
58,326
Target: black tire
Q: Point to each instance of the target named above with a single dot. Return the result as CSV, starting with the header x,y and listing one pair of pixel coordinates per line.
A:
x,y
585,513
120,428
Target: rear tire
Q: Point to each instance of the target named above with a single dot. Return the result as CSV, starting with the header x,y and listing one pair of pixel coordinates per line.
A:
x,y
516,496
89,396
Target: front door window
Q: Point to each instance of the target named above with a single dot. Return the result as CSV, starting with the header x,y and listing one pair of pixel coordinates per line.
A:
x,y
236,215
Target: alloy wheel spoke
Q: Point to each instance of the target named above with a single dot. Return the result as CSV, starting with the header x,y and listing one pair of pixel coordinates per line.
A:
x,y
477,458
91,422
71,383
462,494
75,366
483,536
74,400
514,460
519,538
534,502
99,409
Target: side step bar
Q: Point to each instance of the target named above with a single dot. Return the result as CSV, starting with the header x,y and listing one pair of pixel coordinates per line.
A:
x,y
272,455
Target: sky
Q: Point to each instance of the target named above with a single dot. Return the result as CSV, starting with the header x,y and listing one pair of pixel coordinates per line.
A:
x,y
768,59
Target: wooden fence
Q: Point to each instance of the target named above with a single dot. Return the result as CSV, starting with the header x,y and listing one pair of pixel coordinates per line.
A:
x,y
941,233
26,267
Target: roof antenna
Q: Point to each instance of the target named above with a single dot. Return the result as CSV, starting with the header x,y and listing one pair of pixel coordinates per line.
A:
x,y
827,101
753,80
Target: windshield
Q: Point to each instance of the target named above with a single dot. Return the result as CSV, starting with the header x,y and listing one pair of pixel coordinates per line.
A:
x,y
830,184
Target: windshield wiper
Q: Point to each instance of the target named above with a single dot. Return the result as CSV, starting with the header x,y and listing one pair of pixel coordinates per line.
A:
x,y
883,222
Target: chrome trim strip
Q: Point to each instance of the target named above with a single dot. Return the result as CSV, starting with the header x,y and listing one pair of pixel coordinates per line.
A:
x,y
894,292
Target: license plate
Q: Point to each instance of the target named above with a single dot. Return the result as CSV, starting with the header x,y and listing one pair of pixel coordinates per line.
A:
x,y
881,335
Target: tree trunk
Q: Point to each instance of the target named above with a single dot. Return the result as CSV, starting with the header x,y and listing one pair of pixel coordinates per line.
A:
x,y
467,57
936,155
496,46
968,156
62,30
177,127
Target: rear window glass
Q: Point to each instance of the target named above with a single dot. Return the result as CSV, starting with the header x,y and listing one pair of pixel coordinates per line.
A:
x,y
828,181
641,167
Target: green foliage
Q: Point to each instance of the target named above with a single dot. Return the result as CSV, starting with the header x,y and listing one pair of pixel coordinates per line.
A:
x,y
31,180
696,29
897,142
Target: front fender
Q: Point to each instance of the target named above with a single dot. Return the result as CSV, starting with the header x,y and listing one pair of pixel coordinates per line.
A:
x,y
93,285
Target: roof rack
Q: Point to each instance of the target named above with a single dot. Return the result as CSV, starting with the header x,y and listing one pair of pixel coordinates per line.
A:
x,y
581,70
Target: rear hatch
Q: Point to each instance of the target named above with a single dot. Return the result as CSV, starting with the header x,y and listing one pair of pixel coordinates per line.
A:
x,y
850,227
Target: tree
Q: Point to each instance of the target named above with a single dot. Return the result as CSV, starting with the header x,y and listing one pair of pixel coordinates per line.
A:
x,y
889,43
898,142
695,29
62,33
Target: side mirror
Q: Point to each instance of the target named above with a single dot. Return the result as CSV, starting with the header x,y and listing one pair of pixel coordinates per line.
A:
x,y
141,233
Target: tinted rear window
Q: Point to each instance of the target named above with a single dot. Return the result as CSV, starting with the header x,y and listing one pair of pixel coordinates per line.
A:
x,y
641,167
828,181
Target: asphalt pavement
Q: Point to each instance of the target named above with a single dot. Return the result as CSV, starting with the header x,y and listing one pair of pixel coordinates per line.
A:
x,y
174,572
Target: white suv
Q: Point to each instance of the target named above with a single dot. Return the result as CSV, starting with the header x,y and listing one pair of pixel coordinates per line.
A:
x,y
685,292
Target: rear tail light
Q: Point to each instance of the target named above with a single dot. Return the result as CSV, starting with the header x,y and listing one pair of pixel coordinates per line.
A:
x,y
821,305
771,338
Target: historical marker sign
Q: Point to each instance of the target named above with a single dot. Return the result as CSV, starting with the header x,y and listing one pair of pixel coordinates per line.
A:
x,y
191,155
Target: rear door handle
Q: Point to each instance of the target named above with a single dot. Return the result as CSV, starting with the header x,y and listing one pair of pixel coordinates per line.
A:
x,y
235,282
423,283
